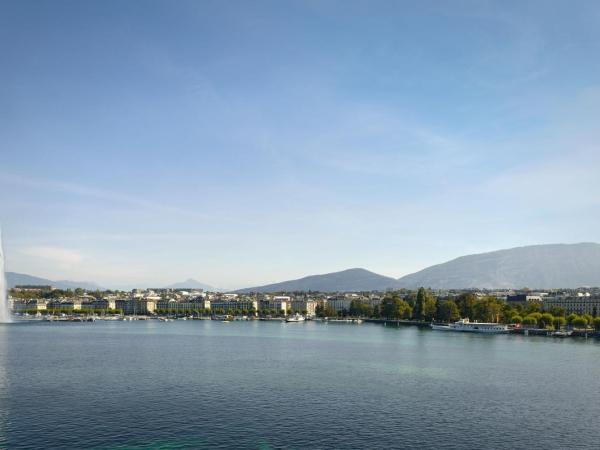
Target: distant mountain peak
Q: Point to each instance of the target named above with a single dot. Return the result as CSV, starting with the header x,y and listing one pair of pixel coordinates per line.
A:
x,y
19,279
348,280
191,283
540,266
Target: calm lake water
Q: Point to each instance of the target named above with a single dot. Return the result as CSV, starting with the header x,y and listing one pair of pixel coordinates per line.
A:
x,y
203,384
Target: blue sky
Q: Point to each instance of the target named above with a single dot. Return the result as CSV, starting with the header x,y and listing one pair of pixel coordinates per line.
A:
x,y
240,143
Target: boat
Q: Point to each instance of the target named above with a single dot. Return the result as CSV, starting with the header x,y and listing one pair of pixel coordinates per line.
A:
x,y
295,318
465,325
561,334
354,321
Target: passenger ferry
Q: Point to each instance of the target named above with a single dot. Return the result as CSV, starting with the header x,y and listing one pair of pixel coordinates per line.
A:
x,y
472,327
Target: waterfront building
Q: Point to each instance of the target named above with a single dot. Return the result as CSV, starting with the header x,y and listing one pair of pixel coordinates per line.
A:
x,y
64,304
228,306
104,303
184,306
340,303
280,304
305,306
373,300
20,305
523,299
574,304
136,306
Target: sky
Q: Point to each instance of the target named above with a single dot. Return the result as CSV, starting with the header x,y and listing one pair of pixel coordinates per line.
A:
x,y
242,143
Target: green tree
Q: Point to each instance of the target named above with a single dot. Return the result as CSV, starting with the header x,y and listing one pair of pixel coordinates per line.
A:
x,y
533,307
559,322
325,311
487,309
418,309
466,304
393,307
516,319
360,309
597,324
545,320
536,315
557,311
507,313
425,305
448,311
529,321
579,322
376,311
429,308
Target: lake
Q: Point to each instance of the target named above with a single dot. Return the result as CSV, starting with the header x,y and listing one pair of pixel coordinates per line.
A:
x,y
267,385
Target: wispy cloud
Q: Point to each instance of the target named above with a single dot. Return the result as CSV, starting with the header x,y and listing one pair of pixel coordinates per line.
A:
x,y
91,192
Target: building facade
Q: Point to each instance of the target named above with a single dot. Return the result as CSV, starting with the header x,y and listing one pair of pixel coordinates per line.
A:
x,y
228,307
574,304
304,306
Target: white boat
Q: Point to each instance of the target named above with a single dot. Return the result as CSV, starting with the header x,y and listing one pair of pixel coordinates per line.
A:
x,y
355,321
472,327
295,318
561,334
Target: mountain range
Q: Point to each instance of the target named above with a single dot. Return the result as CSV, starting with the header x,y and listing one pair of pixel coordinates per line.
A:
x,y
347,280
20,279
190,283
535,266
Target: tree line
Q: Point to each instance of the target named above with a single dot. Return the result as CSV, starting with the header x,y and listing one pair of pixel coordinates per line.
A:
x,y
423,305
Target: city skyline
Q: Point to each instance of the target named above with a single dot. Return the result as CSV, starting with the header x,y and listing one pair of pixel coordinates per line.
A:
x,y
247,144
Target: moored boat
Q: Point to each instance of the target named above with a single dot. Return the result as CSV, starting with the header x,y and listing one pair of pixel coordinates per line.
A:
x,y
295,318
561,334
465,325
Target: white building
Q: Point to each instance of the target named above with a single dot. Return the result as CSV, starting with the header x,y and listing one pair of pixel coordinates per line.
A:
x,y
304,306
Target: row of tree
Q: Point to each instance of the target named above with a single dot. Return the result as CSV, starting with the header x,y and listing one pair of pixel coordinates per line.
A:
x,y
422,305
30,294
56,311
550,321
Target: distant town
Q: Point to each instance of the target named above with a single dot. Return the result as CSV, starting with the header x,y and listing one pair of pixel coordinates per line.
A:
x,y
534,310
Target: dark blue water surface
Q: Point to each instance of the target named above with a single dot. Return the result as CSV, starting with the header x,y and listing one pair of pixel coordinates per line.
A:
x,y
203,384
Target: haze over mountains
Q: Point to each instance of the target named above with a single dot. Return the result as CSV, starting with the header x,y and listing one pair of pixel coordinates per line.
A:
x,y
20,279
347,280
535,266
190,283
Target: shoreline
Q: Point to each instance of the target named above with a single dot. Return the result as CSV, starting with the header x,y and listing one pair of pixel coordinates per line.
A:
x,y
573,333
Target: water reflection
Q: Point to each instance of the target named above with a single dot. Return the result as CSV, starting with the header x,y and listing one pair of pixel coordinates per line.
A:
x,y
4,384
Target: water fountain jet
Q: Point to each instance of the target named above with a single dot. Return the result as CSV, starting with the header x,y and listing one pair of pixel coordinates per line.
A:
x,y
4,310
